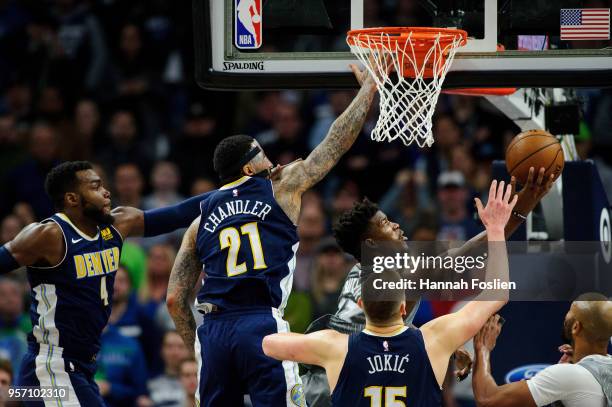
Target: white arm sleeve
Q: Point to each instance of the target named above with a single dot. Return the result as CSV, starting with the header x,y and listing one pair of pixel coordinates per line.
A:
x,y
571,384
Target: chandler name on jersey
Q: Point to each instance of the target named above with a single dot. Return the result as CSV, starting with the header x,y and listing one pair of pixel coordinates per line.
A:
x,y
247,245
71,302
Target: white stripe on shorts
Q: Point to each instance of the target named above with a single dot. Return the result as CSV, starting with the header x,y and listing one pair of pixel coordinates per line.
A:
x,y
198,357
51,373
292,376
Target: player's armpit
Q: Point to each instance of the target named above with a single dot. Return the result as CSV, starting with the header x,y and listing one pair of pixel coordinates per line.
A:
x,y
515,394
317,348
40,244
183,279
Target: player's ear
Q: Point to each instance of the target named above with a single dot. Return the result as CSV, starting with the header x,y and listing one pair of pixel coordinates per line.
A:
x,y
360,303
370,242
576,327
247,169
72,199
402,309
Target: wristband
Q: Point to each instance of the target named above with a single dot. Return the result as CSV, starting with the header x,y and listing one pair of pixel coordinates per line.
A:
x,y
7,261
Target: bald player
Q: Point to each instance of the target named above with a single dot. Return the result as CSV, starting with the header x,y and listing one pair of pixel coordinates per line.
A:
x,y
586,381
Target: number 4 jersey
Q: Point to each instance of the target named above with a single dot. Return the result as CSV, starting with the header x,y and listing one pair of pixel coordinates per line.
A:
x,y
387,371
71,302
247,245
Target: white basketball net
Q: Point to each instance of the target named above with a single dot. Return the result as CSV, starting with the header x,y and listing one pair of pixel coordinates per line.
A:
x,y
407,104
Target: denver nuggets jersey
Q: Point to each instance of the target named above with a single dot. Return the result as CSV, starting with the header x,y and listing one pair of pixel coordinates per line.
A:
x,y
247,245
384,370
71,302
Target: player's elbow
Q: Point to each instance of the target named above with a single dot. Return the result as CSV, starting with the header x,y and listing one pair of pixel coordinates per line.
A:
x,y
172,302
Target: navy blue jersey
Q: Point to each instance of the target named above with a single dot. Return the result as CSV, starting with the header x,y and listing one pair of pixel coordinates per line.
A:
x,y
379,370
247,245
71,302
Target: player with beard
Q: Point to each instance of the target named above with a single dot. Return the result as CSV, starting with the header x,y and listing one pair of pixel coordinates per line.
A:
x,y
365,225
71,261
583,377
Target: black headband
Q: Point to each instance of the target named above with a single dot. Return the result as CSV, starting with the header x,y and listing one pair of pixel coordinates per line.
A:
x,y
234,168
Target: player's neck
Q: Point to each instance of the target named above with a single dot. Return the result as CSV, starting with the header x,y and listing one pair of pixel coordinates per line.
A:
x,y
392,327
82,222
583,349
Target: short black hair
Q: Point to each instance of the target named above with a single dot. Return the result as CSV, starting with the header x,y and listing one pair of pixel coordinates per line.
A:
x,y
351,227
62,179
228,152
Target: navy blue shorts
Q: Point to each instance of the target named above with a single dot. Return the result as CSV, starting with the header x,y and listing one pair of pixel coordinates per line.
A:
x,y
47,368
232,362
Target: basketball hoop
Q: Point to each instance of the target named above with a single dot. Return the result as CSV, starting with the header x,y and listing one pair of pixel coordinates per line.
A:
x,y
421,57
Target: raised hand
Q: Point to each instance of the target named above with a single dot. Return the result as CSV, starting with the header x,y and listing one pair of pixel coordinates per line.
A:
x,y
533,191
499,207
486,338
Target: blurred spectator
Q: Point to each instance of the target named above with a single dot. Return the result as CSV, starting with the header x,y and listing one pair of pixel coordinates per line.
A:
x,y
189,380
455,222
123,146
344,198
24,212
128,186
338,102
80,58
132,71
330,267
201,186
159,265
11,150
6,380
84,138
311,228
284,142
166,389
10,227
25,183
14,322
193,151
165,180
437,160
401,202
261,118
122,371
130,319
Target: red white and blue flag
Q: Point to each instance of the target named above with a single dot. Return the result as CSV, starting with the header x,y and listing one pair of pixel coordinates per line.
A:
x,y
585,24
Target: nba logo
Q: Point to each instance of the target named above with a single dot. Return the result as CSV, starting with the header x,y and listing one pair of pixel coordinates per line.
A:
x,y
386,346
247,23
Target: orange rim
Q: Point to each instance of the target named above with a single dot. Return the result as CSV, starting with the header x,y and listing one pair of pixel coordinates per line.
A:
x,y
401,35
421,38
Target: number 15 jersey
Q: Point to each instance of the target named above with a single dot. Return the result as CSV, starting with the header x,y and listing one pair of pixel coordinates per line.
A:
x,y
247,245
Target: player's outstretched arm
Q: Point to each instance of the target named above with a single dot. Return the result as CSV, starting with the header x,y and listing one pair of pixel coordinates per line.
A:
x,y
183,279
341,136
326,348
37,244
465,323
135,222
486,391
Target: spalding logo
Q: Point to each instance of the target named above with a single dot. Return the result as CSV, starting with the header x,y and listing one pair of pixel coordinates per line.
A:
x,y
297,396
523,372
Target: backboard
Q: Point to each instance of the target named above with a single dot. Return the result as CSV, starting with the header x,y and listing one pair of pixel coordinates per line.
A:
x,y
293,44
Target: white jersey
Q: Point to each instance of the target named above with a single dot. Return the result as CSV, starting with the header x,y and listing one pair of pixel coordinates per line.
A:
x,y
571,384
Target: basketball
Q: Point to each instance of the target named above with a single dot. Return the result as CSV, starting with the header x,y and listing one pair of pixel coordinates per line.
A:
x,y
534,148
